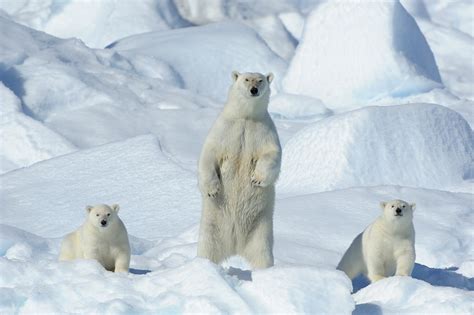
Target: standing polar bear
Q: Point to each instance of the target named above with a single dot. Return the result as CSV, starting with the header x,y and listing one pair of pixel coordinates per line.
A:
x,y
386,247
102,237
238,167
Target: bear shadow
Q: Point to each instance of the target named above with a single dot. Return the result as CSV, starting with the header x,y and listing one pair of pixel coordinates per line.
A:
x,y
437,277
244,275
443,277
367,308
139,271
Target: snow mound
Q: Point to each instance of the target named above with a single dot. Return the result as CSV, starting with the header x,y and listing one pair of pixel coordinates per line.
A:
x,y
120,172
409,145
456,69
404,295
416,8
453,14
34,281
297,107
352,53
442,222
92,97
215,51
10,103
25,141
97,23
76,76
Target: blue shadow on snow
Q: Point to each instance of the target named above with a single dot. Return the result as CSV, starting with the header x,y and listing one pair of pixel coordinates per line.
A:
x,y
434,276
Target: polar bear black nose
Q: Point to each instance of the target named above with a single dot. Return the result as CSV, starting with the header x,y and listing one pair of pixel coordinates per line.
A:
x,y
103,222
254,90
398,211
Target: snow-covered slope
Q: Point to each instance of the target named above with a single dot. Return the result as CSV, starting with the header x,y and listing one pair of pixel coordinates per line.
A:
x,y
175,284
114,173
96,23
82,126
452,14
204,68
166,276
91,97
352,53
400,295
409,145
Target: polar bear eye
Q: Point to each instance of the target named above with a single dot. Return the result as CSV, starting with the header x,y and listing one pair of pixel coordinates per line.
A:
x,y
247,80
108,214
403,206
97,215
260,81
393,206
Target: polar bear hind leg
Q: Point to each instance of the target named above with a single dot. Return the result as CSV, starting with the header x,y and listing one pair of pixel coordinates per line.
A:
x,y
210,241
258,250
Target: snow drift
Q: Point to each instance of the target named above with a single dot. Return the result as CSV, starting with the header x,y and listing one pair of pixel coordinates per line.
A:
x,y
91,97
171,282
97,23
113,173
352,53
298,107
403,295
409,145
205,56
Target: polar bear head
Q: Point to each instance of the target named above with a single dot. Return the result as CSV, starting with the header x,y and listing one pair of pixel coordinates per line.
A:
x,y
252,85
102,216
249,94
397,210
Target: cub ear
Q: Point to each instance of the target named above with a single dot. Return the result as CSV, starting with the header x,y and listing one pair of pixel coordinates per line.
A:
x,y
235,75
413,206
88,209
270,77
383,204
116,207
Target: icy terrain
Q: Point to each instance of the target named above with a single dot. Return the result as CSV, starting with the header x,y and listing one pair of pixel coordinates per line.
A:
x,y
372,101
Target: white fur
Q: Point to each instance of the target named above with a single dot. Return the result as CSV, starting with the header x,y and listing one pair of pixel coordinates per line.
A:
x,y
386,247
238,167
107,244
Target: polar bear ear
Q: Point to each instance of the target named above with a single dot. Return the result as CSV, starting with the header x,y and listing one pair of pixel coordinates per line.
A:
x,y
235,75
89,209
270,77
383,204
116,207
413,206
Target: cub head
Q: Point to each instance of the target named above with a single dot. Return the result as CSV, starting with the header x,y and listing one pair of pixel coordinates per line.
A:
x,y
397,210
252,85
102,216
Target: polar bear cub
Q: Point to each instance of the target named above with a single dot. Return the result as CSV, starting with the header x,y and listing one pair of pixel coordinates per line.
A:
x,y
386,247
102,237
238,167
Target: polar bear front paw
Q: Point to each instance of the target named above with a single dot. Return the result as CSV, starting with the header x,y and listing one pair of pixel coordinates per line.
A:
x,y
212,189
259,181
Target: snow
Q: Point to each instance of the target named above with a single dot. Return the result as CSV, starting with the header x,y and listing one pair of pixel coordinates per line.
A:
x,y
81,126
453,14
96,23
410,145
352,53
178,285
410,296
291,106
457,70
114,173
240,48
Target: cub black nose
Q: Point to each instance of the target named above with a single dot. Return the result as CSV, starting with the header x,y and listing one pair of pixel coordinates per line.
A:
x,y
254,90
398,211
103,222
